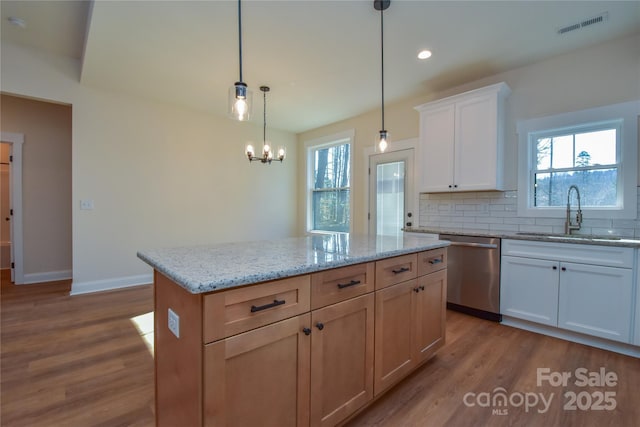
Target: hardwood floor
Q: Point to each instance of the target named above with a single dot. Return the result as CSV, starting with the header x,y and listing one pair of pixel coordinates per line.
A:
x,y
80,361
74,361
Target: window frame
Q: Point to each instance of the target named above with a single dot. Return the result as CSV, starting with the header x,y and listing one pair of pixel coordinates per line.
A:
x,y
623,117
311,147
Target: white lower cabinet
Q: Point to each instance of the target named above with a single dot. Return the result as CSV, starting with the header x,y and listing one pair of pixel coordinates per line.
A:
x,y
596,300
529,289
542,287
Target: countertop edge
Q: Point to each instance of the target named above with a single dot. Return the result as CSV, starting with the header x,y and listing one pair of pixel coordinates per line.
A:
x,y
198,287
623,242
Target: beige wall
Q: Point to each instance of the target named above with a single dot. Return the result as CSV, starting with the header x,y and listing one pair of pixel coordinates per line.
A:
x,y
46,185
605,74
159,175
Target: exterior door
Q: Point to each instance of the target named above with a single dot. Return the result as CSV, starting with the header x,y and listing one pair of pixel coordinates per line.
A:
x,y
391,190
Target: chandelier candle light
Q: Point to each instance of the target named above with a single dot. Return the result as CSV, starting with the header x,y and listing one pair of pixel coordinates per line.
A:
x,y
240,97
382,5
267,154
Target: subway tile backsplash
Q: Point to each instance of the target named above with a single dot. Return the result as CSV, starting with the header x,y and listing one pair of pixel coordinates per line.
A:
x,y
497,211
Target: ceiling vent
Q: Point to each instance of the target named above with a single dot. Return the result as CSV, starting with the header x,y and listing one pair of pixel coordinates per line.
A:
x,y
587,22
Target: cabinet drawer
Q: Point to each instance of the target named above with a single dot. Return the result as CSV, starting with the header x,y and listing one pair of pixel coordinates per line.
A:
x,y
433,260
234,311
339,284
395,270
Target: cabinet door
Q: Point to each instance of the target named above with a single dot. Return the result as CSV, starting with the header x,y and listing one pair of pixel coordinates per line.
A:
x,y
476,145
394,347
260,377
436,149
529,289
430,308
341,360
596,300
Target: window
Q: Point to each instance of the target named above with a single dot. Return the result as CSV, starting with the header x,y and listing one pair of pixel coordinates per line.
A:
x,y
596,150
329,183
585,158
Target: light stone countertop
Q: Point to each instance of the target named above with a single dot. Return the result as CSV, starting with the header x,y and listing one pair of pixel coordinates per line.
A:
x,y
200,269
539,237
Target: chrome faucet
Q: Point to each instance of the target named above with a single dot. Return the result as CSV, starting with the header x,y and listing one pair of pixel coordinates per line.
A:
x,y
568,227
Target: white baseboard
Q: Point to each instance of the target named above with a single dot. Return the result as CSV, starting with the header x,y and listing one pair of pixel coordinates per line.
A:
x,y
49,276
78,288
618,347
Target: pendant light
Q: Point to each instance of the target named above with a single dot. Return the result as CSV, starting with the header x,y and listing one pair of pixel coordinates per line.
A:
x,y
382,5
267,154
240,97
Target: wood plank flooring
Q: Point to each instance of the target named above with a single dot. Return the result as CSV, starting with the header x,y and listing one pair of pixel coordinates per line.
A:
x,y
79,361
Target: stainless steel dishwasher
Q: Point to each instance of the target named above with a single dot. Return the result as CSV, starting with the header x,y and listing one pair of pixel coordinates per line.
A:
x,y
473,274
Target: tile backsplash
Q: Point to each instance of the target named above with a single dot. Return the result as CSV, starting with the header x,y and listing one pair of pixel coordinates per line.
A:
x,y
498,211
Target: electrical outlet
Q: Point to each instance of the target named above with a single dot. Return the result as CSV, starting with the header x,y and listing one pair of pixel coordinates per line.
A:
x,y
174,323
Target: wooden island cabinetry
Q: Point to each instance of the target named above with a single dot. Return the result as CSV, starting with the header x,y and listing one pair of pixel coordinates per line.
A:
x,y
297,351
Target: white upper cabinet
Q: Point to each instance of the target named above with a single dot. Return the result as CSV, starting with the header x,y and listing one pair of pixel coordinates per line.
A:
x,y
462,141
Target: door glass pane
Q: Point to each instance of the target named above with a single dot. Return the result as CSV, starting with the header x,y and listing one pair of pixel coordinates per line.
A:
x,y
390,198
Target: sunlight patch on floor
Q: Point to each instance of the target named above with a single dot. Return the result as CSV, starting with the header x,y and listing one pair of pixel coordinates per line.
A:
x,y
144,325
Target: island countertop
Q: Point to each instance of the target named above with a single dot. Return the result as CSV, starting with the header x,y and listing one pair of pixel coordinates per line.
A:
x,y
200,269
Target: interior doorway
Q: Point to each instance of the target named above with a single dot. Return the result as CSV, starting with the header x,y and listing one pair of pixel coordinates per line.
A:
x,y
11,238
5,208
391,189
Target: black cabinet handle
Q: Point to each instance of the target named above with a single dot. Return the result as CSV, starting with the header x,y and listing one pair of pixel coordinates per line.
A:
x,y
422,288
402,270
320,326
554,267
564,269
435,261
306,331
416,290
351,283
275,303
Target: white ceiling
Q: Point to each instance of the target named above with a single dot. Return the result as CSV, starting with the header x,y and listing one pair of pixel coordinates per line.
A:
x,y
321,58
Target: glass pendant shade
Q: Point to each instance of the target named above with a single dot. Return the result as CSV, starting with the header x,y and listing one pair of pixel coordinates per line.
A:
x,y
383,142
240,102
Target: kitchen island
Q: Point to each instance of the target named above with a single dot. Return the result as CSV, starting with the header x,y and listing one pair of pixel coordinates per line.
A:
x,y
300,331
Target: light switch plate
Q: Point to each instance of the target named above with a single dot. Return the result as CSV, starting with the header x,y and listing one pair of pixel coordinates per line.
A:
x,y
174,323
86,205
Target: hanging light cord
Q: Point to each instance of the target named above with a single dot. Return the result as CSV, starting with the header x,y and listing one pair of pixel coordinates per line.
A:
x,y
240,37
264,118
382,59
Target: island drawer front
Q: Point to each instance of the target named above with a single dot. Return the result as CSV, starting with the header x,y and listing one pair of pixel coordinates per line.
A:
x,y
395,270
432,260
339,284
235,311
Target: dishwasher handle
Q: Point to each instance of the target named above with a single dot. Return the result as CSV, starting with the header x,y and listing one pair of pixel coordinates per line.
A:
x,y
475,245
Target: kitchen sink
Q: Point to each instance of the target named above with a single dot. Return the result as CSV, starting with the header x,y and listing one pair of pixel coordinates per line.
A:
x,y
571,236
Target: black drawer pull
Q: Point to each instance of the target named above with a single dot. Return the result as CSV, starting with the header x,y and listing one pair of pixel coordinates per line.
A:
x,y
320,325
351,283
275,303
435,261
402,270
306,331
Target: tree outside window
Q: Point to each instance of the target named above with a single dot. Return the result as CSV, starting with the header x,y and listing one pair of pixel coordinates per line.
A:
x,y
330,197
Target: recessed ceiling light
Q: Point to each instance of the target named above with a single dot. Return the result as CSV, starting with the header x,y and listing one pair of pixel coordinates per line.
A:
x,y
424,54
18,22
